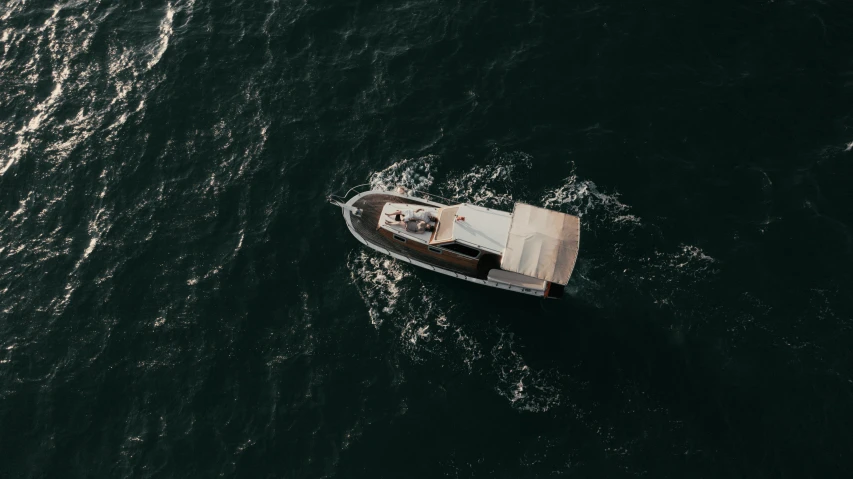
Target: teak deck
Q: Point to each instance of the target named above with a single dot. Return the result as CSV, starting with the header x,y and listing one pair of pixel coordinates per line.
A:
x,y
367,227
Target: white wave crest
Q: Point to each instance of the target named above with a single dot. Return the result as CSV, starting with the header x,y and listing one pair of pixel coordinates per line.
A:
x,y
397,300
582,197
525,388
377,280
411,173
165,33
490,184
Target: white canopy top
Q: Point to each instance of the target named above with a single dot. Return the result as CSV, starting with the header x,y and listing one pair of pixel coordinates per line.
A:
x,y
542,244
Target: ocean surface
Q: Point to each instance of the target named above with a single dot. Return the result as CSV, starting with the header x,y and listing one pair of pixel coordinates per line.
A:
x,y
178,299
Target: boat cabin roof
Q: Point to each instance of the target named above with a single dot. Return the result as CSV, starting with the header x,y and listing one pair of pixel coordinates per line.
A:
x,y
475,226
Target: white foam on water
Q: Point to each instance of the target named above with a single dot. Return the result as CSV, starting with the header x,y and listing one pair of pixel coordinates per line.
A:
x,y
472,350
240,242
92,243
165,33
667,275
583,198
377,278
268,19
490,184
399,301
411,173
693,255
526,389
684,266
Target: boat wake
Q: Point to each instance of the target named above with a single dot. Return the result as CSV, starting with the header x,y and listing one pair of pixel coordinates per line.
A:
x,y
399,302
495,184
425,330
525,388
583,198
411,173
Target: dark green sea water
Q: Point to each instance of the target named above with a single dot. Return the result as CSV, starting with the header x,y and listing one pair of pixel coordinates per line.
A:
x,y
178,300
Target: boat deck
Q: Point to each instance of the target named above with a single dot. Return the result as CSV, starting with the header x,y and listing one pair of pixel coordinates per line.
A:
x,y
367,227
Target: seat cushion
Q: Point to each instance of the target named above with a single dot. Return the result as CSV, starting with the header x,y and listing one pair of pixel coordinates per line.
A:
x,y
515,279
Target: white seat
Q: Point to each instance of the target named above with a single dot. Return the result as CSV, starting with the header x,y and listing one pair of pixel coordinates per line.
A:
x,y
515,279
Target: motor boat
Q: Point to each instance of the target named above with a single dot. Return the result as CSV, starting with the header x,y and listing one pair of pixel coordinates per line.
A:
x,y
530,250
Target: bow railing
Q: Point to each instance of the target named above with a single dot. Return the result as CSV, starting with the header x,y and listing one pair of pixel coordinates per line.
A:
x,y
341,200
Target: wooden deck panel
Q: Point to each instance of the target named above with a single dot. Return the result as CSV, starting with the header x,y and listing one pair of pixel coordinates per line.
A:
x,y
367,226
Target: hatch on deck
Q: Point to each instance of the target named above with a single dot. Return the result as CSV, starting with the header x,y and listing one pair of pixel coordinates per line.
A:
x,y
444,228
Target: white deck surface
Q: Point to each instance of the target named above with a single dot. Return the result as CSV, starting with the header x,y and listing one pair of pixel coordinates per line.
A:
x,y
483,228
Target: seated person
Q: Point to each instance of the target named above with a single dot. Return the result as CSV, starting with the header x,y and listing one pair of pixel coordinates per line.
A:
x,y
398,216
428,217
419,214
412,226
419,226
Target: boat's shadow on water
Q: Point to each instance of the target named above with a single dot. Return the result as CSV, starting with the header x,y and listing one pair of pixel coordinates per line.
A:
x,y
627,351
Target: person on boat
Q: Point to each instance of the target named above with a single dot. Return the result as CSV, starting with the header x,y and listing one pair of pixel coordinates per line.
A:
x,y
419,214
413,226
419,226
